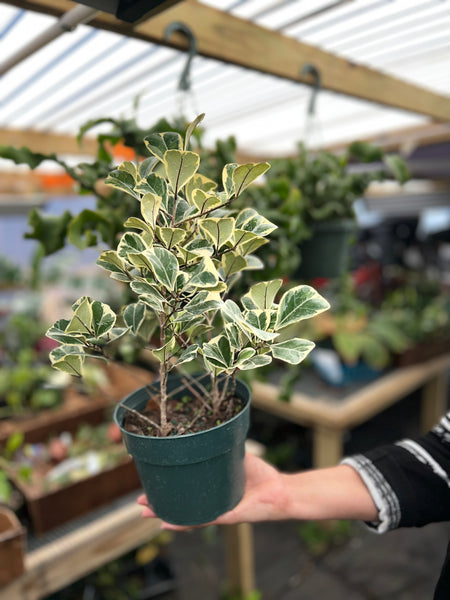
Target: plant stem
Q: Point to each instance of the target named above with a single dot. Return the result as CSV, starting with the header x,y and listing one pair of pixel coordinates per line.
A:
x,y
163,372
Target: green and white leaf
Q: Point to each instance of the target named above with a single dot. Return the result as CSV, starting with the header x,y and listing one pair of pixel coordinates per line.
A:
x,y
134,315
123,181
164,266
292,351
103,318
218,231
244,175
250,220
136,223
166,352
159,143
68,358
298,303
232,263
204,275
203,302
58,332
199,181
247,242
130,168
190,129
204,201
190,353
81,321
110,261
150,206
227,179
180,167
171,236
262,295
130,243
218,352
260,360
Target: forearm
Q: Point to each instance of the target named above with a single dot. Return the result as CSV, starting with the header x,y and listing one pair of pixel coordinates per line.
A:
x,y
333,493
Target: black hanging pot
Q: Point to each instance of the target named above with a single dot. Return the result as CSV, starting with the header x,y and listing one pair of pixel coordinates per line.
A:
x,y
189,479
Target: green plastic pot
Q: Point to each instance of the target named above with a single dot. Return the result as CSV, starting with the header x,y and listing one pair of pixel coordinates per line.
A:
x,y
189,479
325,254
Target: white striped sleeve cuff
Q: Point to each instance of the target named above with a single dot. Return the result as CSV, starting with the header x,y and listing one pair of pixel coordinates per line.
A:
x,y
382,494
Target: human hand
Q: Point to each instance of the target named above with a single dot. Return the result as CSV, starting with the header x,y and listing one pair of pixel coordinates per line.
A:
x,y
263,499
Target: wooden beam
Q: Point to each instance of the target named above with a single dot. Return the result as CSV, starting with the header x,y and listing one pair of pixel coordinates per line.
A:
x,y
46,143
230,39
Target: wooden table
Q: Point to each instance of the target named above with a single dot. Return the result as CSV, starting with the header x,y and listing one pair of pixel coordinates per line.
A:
x,y
330,417
65,560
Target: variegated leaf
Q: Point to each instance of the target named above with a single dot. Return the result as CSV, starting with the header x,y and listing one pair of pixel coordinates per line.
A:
x,y
249,219
203,302
247,242
130,168
204,201
232,263
244,175
180,167
123,181
219,231
298,303
110,261
135,223
204,275
130,243
134,315
262,295
165,353
164,266
150,206
190,129
292,351
103,318
199,181
159,143
218,352
170,236
147,166
81,321
227,178
68,358
58,333
190,353
260,360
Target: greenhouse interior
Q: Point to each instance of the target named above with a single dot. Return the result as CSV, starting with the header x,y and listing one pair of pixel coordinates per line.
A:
x,y
224,299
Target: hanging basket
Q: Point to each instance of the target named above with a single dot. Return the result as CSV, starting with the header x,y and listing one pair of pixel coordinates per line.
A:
x,y
190,479
326,253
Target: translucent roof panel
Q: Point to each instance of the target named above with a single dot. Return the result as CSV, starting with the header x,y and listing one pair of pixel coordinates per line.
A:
x,y
88,74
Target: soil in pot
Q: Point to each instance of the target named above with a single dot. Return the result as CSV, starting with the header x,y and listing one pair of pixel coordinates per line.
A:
x,y
188,415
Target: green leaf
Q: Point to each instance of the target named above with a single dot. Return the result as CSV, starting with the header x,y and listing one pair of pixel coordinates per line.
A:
x,y
25,156
81,321
298,303
199,181
147,166
260,360
150,206
219,231
262,295
171,236
130,243
134,315
218,352
204,275
154,184
103,318
398,167
49,230
123,181
130,168
247,242
232,312
58,332
135,223
292,351
250,220
110,261
84,229
190,353
68,358
159,143
202,302
180,167
191,128
232,263
204,201
166,352
164,266
227,178
244,175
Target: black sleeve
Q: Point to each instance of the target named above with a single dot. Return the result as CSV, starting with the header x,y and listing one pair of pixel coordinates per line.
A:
x,y
410,480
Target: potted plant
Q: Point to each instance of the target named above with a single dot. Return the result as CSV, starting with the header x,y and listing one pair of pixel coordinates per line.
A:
x,y
311,197
185,252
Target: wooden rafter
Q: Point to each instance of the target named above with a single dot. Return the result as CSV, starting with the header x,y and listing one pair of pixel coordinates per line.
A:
x,y
227,38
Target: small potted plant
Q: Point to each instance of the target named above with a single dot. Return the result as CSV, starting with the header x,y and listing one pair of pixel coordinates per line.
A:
x,y
311,197
187,432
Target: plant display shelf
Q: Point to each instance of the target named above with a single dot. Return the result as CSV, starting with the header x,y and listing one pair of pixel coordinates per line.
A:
x,y
59,560
331,416
77,408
